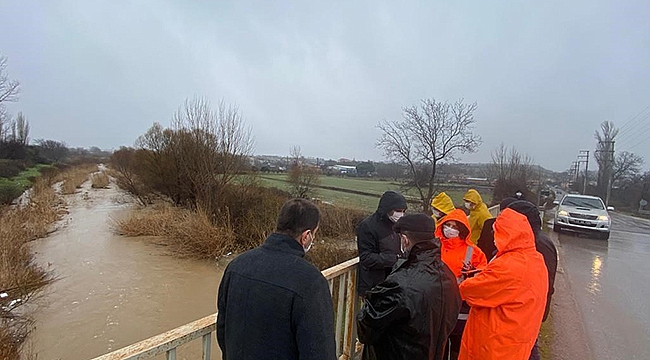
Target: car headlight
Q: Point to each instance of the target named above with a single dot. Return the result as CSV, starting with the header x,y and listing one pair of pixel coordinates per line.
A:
x,y
603,218
563,213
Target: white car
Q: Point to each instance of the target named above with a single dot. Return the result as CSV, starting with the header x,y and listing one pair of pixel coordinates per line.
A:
x,y
583,213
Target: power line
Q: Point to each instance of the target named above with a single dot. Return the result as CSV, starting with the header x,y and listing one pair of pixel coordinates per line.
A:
x,y
637,135
637,144
641,121
625,128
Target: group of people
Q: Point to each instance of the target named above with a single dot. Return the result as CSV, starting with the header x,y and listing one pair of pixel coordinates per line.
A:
x,y
445,286
460,287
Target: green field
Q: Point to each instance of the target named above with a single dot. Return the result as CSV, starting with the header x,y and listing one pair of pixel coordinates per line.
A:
x,y
365,202
23,177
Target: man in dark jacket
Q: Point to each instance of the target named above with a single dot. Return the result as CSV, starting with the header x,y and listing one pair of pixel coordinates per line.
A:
x,y
411,313
544,246
377,242
272,303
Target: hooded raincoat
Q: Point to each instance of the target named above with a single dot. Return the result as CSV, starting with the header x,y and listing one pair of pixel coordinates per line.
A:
x,y
543,244
443,203
478,214
507,297
410,315
453,251
377,243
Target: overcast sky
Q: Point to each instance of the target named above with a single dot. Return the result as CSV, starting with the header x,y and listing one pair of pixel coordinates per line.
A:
x,y
321,74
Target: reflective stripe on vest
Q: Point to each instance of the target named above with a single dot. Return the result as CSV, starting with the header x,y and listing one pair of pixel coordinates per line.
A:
x,y
468,258
463,316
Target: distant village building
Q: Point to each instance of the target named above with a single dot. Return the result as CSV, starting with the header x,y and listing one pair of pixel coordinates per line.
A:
x,y
342,170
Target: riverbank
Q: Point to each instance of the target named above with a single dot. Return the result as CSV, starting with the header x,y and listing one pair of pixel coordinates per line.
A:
x,y
113,290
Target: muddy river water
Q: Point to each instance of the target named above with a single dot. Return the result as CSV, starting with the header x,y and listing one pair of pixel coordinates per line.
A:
x,y
113,291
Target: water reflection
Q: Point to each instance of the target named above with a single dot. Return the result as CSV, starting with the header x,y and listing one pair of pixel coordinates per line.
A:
x,y
594,284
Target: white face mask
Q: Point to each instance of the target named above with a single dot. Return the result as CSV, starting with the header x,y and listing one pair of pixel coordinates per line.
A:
x,y
396,216
436,213
306,249
450,233
468,205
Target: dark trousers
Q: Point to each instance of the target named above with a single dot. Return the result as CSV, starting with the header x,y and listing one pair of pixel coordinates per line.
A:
x,y
534,354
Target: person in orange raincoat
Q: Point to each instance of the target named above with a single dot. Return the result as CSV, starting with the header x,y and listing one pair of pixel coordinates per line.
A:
x,y
507,297
457,250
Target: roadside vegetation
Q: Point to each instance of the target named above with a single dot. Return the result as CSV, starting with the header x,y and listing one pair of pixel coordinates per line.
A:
x,y
197,194
99,180
21,279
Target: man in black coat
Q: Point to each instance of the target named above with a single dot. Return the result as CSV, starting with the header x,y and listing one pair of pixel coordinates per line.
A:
x,y
272,303
411,314
544,246
377,242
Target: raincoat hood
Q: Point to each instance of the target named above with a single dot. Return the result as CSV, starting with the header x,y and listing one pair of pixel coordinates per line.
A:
x,y
391,200
443,203
529,210
512,232
473,196
459,216
478,215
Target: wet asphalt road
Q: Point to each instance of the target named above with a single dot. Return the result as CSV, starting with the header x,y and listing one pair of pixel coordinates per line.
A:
x,y
611,284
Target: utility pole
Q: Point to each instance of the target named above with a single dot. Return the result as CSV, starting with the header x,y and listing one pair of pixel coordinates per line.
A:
x,y
610,168
584,154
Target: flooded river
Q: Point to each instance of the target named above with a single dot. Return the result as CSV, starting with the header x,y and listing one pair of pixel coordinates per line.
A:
x,y
114,291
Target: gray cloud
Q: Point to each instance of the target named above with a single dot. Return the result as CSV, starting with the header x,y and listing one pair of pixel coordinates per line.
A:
x,y
322,74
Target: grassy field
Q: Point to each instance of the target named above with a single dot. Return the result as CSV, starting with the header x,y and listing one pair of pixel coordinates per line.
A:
x,y
22,179
370,186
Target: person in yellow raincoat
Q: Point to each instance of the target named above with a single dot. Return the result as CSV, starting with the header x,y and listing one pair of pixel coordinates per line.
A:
x,y
441,205
508,296
478,213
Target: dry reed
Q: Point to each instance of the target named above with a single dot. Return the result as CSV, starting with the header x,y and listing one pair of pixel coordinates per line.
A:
x,y
99,180
188,233
20,277
74,177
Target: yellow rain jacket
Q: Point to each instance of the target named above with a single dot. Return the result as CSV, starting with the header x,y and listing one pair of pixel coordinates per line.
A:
x,y
443,203
478,215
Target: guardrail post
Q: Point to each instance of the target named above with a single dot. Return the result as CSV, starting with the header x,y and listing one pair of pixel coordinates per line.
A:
x,y
207,344
171,354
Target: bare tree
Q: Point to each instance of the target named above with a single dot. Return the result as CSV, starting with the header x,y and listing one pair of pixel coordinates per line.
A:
x,y
22,129
213,144
512,171
604,155
427,135
626,166
303,178
54,151
9,90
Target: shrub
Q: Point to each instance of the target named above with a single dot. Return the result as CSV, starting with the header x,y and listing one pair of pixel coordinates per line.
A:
x,y
20,276
340,222
10,168
9,191
99,180
328,253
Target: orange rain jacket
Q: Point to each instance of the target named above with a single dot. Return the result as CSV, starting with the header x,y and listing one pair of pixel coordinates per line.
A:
x,y
507,297
453,250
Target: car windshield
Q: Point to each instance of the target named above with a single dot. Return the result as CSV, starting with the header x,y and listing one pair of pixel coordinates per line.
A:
x,y
583,202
